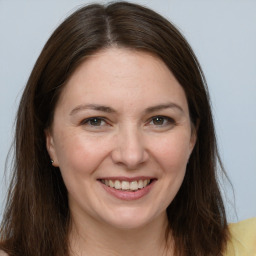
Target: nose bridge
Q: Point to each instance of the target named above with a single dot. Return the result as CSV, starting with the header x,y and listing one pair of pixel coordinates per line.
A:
x,y
130,149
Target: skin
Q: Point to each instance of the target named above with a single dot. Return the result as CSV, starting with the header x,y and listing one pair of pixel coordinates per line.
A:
x,y
144,131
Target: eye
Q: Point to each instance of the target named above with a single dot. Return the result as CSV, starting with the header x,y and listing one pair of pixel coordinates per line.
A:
x,y
94,121
161,121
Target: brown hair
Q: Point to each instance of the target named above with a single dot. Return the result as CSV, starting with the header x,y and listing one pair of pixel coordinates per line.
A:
x,y
36,219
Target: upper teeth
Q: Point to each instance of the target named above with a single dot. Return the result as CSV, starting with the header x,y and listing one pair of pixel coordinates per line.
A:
x,y
126,185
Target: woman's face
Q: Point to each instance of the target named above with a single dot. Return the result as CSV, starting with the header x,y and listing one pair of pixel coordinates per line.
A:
x,y
121,136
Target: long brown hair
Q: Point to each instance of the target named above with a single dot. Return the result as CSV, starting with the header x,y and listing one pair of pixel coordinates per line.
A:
x,y
36,219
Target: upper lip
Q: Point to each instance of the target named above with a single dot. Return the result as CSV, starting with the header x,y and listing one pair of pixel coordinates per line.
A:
x,y
130,179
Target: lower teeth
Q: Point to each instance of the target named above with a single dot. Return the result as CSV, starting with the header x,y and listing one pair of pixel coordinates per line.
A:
x,y
127,190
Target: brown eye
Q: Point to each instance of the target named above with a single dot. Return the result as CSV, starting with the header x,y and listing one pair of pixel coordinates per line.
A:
x,y
158,120
94,121
161,121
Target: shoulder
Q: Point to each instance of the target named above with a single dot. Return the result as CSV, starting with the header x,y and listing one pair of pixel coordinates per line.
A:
x,y
243,238
2,253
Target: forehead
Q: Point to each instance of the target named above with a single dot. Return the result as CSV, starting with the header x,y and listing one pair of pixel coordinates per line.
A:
x,y
122,74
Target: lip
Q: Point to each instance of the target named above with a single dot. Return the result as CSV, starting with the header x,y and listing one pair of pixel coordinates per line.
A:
x,y
128,195
130,179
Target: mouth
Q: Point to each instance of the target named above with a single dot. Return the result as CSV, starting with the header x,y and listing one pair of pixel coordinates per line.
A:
x,y
126,185
126,188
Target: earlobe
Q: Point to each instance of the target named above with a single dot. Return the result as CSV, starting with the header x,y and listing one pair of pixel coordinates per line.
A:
x,y
51,148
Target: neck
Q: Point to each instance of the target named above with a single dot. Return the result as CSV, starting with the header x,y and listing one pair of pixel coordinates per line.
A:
x,y
100,239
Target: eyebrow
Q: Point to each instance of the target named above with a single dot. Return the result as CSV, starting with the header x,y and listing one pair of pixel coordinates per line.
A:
x,y
162,107
107,109
92,107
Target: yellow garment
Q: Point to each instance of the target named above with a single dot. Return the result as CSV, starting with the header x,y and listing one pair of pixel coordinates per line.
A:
x,y
243,238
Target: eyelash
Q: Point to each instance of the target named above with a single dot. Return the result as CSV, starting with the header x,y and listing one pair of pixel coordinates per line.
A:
x,y
164,121
95,118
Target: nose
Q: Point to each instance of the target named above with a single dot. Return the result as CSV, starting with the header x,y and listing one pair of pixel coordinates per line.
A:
x,y
129,149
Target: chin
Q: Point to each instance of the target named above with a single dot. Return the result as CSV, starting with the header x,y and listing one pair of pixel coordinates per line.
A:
x,y
128,219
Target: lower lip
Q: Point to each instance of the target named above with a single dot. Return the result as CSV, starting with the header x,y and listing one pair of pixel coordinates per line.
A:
x,y
129,195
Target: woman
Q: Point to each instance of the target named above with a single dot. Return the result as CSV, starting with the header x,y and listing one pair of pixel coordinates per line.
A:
x,y
115,146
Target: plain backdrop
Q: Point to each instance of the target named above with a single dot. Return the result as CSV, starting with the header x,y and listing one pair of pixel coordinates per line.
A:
x,y
223,36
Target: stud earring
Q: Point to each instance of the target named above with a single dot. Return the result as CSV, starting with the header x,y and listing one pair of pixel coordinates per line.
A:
x,y
52,161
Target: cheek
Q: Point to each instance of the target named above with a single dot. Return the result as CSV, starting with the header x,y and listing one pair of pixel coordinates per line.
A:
x,y
172,152
79,154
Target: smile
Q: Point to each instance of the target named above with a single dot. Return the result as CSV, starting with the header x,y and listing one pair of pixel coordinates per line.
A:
x,y
126,185
126,188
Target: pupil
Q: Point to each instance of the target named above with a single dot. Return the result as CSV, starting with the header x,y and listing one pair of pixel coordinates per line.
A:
x,y
158,120
95,121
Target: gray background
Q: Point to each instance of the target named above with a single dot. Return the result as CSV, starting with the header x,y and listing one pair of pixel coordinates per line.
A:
x,y
223,36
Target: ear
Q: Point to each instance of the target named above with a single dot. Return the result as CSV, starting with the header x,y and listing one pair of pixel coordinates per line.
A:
x,y
193,137
192,140
51,147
